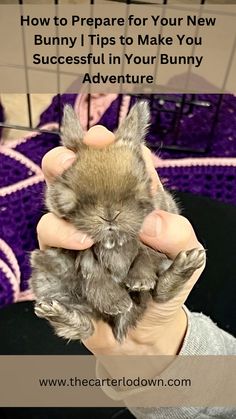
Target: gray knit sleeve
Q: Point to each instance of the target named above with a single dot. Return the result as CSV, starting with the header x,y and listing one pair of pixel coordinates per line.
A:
x,y
203,337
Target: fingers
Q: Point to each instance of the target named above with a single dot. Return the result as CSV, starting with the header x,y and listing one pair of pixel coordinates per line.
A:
x,y
168,233
56,161
99,136
55,232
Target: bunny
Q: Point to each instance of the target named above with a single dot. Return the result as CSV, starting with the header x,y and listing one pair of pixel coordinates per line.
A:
x,y
106,193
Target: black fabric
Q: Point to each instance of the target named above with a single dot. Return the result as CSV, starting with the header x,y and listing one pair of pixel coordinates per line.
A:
x,y
215,225
21,332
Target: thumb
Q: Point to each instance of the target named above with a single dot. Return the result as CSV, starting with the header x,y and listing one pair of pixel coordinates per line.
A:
x,y
168,233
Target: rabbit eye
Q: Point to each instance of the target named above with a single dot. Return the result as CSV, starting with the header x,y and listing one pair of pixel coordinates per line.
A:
x,y
111,218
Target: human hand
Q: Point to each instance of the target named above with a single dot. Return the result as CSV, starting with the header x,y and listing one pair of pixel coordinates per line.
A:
x,y
163,326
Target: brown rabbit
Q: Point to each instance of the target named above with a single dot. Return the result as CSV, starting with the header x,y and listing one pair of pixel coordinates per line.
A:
x,y
106,194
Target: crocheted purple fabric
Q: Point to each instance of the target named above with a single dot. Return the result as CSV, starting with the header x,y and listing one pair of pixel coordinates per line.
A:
x,y
216,181
22,185
21,206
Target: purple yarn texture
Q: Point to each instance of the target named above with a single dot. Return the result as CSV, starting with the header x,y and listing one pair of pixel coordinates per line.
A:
x,y
21,209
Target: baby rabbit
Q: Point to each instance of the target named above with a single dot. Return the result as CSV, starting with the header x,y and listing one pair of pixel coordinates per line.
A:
x,y
106,194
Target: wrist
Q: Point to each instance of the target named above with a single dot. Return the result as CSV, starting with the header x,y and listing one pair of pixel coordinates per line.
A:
x,y
170,338
166,338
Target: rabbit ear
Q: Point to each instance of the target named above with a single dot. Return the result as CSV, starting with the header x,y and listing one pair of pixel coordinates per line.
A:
x,y
72,132
133,129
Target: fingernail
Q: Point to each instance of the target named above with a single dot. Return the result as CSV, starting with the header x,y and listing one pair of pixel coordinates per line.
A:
x,y
83,239
67,160
152,225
